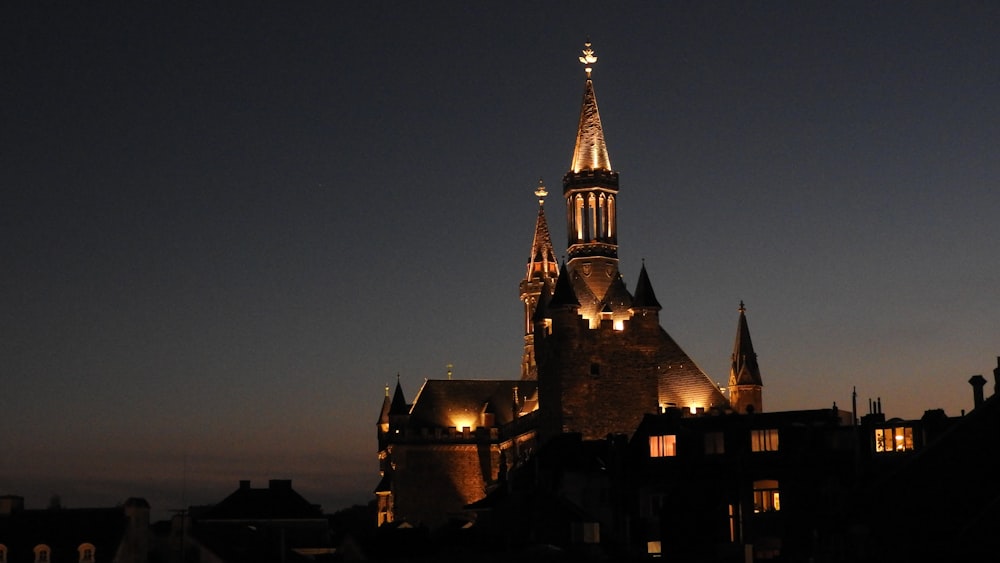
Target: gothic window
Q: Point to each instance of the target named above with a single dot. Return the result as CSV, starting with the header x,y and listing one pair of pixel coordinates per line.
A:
x,y
765,440
663,446
578,217
591,217
611,216
602,217
894,439
766,497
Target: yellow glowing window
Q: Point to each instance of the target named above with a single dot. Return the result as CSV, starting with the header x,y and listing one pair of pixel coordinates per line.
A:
x,y
766,497
765,440
895,439
663,446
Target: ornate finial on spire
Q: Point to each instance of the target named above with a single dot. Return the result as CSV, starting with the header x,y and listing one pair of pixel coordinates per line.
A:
x,y
743,309
541,192
449,366
588,57
386,389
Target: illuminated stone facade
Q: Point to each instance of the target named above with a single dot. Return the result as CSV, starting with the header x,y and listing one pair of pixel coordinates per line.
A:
x,y
595,361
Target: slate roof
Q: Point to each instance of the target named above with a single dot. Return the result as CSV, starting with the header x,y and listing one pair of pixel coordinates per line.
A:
x,y
440,401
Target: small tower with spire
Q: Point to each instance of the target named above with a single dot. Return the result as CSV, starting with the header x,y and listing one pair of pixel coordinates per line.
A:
x,y
590,189
541,278
745,385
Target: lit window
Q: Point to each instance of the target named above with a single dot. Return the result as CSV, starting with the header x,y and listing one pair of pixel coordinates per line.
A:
x,y
86,551
766,496
764,440
715,443
653,548
896,439
663,446
42,552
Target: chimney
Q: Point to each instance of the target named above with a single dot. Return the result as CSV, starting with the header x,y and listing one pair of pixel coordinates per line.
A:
x,y
977,382
244,484
996,377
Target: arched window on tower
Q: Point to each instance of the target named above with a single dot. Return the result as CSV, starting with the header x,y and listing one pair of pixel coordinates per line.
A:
x,y
602,218
591,217
611,217
578,219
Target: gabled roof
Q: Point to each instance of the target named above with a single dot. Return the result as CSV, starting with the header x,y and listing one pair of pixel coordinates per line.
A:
x,y
744,369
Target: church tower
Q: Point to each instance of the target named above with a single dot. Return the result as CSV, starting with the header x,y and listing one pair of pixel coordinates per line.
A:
x,y
541,278
745,385
590,189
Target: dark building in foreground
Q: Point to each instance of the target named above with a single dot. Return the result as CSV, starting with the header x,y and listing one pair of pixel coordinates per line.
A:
x,y
73,535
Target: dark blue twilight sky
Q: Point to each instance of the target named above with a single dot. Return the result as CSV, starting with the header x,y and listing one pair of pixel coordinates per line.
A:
x,y
227,226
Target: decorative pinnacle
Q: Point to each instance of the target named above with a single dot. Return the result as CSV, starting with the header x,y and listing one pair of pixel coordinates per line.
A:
x,y
540,192
588,57
743,309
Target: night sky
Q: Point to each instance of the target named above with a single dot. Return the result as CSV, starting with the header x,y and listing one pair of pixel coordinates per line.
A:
x,y
226,227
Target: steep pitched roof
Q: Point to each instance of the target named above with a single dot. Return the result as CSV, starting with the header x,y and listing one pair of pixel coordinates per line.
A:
x,y
277,501
563,295
590,153
542,263
644,297
744,369
399,405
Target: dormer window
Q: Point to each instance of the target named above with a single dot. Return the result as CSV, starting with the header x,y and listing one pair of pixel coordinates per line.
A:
x,y
42,553
86,551
3,553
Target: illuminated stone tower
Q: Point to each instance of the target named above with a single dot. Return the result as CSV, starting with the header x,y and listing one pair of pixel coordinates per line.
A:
x,y
603,360
591,191
745,385
541,277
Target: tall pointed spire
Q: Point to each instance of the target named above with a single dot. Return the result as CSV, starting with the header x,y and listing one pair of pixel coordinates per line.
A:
x,y
591,192
540,279
590,153
745,384
644,297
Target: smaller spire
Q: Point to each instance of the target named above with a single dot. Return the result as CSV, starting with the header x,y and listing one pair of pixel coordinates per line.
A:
x,y
563,295
644,297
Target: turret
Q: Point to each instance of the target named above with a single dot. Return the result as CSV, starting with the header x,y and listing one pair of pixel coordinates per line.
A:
x,y
541,278
745,385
